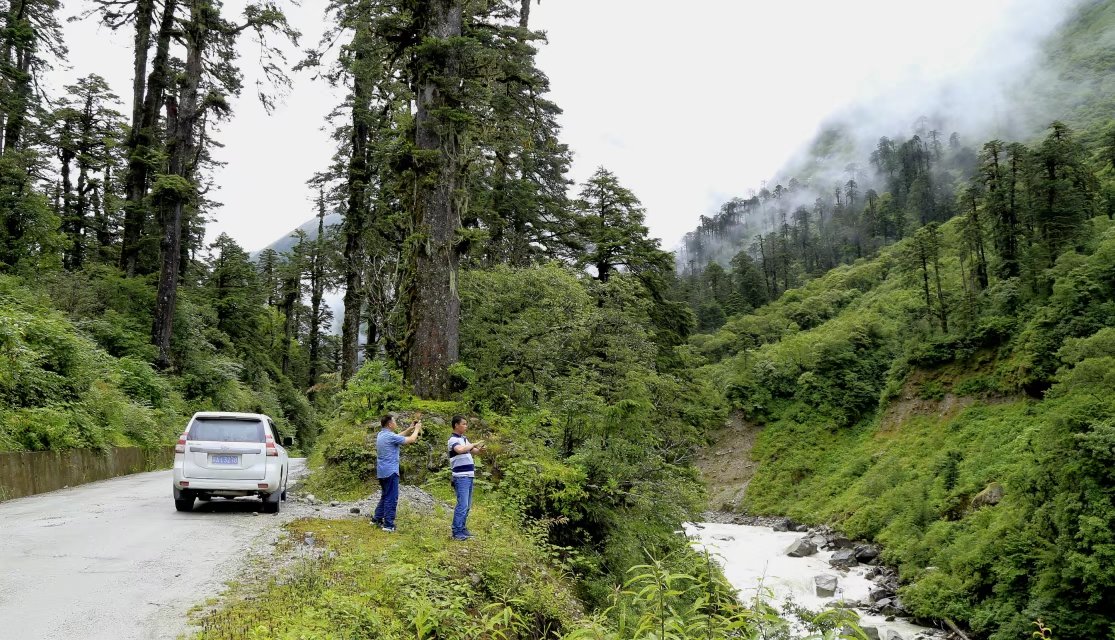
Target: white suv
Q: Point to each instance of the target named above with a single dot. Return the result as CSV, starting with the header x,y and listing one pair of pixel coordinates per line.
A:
x,y
230,455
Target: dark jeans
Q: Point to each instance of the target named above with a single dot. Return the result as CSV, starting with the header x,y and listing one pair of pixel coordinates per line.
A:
x,y
463,488
388,501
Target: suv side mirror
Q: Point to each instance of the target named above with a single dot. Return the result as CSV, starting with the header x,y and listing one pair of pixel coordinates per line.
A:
x,y
288,441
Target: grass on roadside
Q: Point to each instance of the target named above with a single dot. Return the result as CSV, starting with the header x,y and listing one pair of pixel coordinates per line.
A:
x,y
357,581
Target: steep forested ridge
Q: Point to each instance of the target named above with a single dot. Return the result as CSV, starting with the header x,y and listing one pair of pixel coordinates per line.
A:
x,y
860,185
929,360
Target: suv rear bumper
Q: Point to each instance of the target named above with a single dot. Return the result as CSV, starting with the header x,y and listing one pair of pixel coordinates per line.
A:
x,y
270,482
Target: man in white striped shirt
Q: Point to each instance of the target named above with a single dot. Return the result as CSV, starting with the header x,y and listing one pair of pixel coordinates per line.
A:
x,y
464,472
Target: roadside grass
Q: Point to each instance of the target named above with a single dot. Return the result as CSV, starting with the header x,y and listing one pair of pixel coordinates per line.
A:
x,y
348,579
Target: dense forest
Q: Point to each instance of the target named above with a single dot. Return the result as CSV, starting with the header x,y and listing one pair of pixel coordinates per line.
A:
x,y
926,343
119,319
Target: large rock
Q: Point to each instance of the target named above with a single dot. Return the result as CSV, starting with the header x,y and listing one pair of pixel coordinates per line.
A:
x,y
894,635
843,559
886,606
866,553
878,593
872,633
825,585
838,541
782,524
801,547
989,497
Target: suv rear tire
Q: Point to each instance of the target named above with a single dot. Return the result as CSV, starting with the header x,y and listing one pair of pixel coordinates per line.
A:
x,y
185,503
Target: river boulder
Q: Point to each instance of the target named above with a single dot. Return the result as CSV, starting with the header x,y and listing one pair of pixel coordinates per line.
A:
x,y
894,635
886,607
825,585
866,553
879,592
801,547
782,524
843,559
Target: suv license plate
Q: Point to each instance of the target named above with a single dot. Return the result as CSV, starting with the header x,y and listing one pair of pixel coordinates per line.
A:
x,y
226,459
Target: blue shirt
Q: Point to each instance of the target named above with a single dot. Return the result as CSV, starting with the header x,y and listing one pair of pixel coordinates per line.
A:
x,y
387,452
461,463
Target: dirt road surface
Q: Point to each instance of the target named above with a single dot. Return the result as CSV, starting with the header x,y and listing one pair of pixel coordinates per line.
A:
x,y
114,560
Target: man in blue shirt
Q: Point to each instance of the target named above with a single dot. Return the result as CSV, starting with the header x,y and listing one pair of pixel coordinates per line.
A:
x,y
464,470
388,444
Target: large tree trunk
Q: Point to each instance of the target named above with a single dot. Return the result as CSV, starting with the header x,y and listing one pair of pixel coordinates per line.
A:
x,y
80,206
18,98
317,291
145,11
142,141
433,315
524,14
65,209
173,197
170,248
355,214
290,301
104,214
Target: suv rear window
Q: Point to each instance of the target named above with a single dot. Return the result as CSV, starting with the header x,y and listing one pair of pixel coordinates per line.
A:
x,y
226,430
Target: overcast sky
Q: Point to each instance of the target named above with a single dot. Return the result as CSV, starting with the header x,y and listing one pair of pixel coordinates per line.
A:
x,y
688,107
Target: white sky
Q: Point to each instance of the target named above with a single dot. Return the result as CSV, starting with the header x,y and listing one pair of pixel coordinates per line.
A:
x,y
688,107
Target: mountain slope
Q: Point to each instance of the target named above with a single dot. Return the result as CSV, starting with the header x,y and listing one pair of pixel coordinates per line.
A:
x,y
981,458
1012,94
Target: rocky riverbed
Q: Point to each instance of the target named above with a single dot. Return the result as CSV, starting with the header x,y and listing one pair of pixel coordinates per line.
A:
x,y
814,568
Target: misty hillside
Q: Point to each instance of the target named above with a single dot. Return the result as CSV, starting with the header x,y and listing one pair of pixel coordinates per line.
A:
x,y
286,243
895,159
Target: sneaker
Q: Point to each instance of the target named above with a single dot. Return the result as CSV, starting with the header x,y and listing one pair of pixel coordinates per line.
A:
x,y
460,538
377,522
389,529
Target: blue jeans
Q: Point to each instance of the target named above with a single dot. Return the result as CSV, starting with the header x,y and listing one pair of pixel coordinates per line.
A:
x,y
388,501
463,488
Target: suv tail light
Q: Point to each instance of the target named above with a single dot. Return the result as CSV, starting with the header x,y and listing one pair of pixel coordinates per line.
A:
x,y
181,446
272,450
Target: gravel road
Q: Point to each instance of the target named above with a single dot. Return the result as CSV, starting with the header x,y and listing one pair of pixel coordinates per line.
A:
x,y
114,560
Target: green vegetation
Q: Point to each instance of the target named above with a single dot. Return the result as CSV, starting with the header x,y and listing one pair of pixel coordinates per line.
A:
x,y
61,389
929,341
568,439
366,583
343,578
78,371
947,398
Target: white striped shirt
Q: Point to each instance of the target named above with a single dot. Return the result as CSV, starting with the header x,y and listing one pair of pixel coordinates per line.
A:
x,y
460,463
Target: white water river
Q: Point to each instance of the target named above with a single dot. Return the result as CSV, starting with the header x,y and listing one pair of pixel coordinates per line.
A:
x,y
754,558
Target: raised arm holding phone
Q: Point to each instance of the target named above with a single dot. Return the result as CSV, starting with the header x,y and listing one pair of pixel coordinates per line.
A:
x,y
388,444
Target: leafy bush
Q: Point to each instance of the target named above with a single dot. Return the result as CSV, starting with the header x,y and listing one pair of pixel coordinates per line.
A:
x,y
59,390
